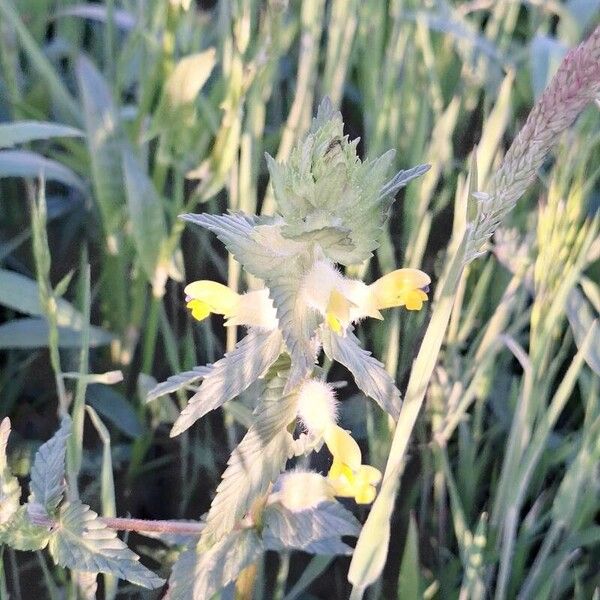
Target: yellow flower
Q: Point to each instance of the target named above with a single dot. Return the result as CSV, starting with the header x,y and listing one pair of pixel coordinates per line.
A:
x,y
254,308
343,301
348,476
402,287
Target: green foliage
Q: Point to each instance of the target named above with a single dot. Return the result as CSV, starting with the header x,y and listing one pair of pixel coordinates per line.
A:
x,y
48,470
255,463
231,375
114,121
81,541
367,371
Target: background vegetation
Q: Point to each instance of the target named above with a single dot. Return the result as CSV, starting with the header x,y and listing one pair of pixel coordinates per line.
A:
x,y
147,109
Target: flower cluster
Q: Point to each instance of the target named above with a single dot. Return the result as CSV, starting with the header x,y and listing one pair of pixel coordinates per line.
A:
x,y
331,210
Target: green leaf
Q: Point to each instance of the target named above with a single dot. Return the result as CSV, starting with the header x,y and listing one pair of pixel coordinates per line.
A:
x,y
40,64
186,80
200,575
177,382
82,541
22,294
23,163
262,250
48,471
230,376
22,132
33,333
255,463
371,549
146,214
317,529
581,317
105,142
21,534
10,490
114,407
368,372
325,185
409,580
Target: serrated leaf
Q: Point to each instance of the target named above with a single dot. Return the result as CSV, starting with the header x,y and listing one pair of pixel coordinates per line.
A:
x,y
23,163
10,490
48,471
230,376
177,382
21,132
33,333
262,250
105,142
317,529
21,534
368,372
83,542
255,463
325,184
146,214
200,575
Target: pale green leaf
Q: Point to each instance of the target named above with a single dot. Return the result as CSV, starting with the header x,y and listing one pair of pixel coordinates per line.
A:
x,y
325,185
230,376
409,580
21,534
368,372
146,213
48,471
23,163
177,382
82,541
21,132
581,316
371,549
317,529
22,294
10,490
199,575
187,78
105,142
259,246
255,463
33,333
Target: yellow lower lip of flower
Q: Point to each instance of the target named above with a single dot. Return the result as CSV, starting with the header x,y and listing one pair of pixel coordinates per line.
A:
x,y
359,484
200,310
348,477
402,287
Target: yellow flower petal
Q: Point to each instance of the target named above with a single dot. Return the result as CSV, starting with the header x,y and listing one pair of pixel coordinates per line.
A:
x,y
365,494
395,288
337,313
219,298
200,310
414,299
343,447
369,474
